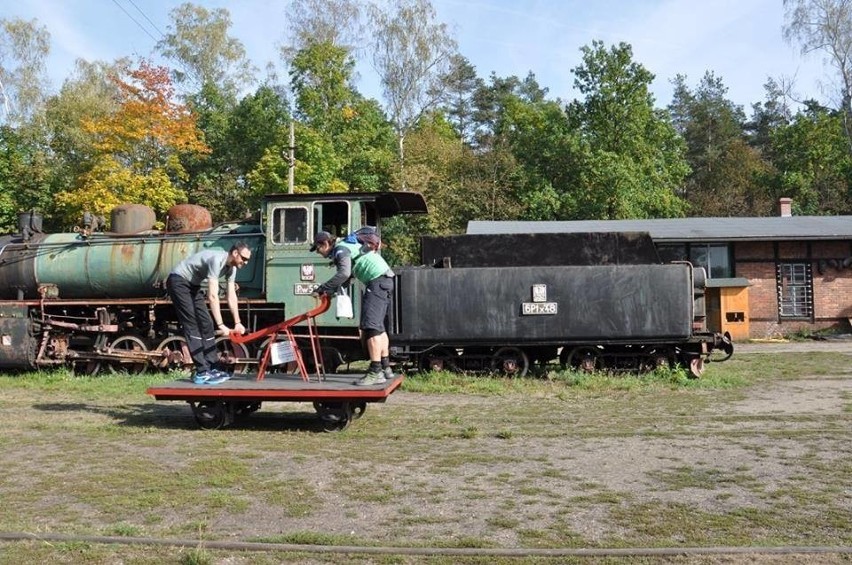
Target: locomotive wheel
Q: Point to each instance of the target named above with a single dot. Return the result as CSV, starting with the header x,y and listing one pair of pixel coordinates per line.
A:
x,y
230,350
585,359
127,343
210,414
510,362
335,416
89,367
176,353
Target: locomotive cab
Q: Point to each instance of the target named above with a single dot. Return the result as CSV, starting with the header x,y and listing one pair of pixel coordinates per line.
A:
x,y
292,271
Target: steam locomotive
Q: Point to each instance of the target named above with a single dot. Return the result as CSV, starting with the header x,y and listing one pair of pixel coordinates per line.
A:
x,y
96,300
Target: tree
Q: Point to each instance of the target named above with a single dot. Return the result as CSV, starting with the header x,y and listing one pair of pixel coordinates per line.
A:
x,y
411,54
333,22
460,85
630,158
137,149
727,174
199,43
354,128
23,49
826,25
813,163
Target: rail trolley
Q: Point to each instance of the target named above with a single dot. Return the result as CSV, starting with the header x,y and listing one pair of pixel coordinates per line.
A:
x,y
335,397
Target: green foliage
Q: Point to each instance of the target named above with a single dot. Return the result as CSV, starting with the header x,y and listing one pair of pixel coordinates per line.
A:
x,y
109,184
814,163
198,41
728,176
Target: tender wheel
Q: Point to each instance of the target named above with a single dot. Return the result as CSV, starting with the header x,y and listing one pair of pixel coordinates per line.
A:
x,y
229,351
660,359
510,361
696,367
585,359
127,343
175,353
439,359
335,416
210,414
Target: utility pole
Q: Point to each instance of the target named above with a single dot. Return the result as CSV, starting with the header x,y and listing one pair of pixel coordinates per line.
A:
x,y
292,168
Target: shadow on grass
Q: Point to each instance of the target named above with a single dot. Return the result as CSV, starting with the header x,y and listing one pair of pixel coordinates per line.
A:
x,y
179,416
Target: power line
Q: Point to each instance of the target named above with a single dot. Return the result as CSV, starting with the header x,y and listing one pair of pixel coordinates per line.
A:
x,y
135,21
144,15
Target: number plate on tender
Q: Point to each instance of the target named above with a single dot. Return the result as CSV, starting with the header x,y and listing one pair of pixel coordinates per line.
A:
x,y
538,308
303,289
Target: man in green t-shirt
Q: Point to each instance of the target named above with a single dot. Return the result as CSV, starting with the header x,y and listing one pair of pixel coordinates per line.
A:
x,y
362,261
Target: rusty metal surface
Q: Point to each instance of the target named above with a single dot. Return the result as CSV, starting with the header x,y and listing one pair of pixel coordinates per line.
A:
x,y
132,218
17,345
188,218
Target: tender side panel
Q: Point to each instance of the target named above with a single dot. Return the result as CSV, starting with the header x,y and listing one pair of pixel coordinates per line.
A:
x,y
552,304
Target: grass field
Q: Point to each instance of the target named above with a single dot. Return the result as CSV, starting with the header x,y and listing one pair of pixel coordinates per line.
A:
x,y
756,453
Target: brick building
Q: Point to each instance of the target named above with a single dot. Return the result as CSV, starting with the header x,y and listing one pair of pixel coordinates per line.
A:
x,y
767,276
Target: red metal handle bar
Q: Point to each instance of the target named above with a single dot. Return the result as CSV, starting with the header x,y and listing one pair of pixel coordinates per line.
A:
x,y
325,303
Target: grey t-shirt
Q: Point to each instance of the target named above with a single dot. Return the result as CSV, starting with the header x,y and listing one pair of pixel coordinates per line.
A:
x,y
199,267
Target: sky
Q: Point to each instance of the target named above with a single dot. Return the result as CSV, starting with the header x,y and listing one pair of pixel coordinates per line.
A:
x,y
738,40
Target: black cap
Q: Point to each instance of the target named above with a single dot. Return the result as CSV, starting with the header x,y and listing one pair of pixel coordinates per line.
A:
x,y
321,237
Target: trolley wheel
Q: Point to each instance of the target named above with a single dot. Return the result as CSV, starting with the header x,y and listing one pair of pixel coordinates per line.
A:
x,y
335,416
358,409
510,361
245,409
228,351
127,343
210,414
584,358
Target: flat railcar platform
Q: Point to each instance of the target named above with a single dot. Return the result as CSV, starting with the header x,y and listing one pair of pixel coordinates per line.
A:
x,y
337,400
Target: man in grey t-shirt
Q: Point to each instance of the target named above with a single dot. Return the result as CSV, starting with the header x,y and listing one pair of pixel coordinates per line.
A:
x,y
184,286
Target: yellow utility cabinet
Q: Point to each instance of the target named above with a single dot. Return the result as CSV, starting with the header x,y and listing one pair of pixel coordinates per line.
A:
x,y
727,307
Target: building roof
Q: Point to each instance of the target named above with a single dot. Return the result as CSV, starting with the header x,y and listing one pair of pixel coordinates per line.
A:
x,y
690,229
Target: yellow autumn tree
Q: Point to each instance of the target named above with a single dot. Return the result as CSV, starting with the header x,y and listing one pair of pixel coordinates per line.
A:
x,y
137,148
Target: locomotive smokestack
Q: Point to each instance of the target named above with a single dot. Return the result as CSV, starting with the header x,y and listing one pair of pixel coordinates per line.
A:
x,y
785,207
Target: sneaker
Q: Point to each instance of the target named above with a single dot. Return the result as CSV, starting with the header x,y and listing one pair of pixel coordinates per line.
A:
x,y
207,378
221,374
389,376
371,378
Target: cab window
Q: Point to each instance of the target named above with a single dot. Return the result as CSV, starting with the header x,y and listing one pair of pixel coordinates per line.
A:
x,y
289,226
332,217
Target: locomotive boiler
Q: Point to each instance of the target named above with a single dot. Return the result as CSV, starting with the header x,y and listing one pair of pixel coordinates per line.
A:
x,y
97,300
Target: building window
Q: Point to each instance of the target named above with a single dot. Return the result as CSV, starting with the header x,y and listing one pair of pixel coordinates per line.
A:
x,y
795,290
715,258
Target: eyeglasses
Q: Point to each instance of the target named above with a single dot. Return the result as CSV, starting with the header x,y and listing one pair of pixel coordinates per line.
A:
x,y
244,258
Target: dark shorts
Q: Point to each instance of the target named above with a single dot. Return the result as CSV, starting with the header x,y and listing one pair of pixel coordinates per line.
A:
x,y
377,299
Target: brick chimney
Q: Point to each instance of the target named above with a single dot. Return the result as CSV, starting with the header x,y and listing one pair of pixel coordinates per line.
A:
x,y
785,207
